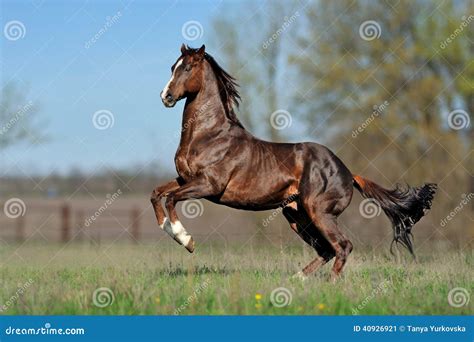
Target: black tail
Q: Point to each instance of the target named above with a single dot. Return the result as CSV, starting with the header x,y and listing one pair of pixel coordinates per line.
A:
x,y
403,206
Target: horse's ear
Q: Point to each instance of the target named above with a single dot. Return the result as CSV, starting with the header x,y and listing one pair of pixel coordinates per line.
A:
x,y
201,51
183,48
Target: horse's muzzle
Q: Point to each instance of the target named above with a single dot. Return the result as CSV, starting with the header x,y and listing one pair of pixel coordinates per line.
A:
x,y
168,100
168,103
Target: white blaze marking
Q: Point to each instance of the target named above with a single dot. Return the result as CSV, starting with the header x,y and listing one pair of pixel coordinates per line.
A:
x,y
166,89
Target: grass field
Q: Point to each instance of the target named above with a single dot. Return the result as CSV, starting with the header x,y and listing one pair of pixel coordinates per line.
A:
x,y
165,279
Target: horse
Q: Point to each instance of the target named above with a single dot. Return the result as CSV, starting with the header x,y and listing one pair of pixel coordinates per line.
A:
x,y
220,161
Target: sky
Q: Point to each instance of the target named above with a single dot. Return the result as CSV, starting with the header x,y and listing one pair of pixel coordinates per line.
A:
x,y
73,59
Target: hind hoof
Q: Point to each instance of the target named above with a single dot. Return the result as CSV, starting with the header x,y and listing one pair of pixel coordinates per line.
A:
x,y
299,276
190,246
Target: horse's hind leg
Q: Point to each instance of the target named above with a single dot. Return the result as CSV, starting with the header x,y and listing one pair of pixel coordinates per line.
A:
x,y
326,220
323,248
305,228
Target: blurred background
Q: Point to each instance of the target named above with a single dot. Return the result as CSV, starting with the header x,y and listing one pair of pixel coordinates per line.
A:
x,y
387,85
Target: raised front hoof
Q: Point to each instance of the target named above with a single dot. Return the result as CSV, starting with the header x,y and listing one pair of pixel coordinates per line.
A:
x,y
177,241
190,246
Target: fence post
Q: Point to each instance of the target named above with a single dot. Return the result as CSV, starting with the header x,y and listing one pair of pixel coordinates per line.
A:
x,y
135,216
65,222
20,228
80,224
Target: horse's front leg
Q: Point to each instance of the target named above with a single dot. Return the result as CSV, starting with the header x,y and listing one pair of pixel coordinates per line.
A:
x,y
156,197
198,188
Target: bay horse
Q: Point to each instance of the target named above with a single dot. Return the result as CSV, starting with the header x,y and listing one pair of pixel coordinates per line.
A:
x,y
218,160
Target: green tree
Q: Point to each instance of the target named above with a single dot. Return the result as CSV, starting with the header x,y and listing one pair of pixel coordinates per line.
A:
x,y
392,56
17,118
252,40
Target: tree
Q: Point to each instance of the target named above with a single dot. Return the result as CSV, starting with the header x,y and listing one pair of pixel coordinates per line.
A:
x,y
394,58
253,48
17,118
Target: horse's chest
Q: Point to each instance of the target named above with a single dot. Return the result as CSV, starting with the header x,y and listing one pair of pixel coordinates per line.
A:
x,y
194,158
184,164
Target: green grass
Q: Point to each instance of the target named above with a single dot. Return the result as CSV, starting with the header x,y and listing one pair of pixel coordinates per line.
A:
x,y
158,279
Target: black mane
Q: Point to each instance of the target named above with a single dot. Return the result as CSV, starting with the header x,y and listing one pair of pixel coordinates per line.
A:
x,y
227,89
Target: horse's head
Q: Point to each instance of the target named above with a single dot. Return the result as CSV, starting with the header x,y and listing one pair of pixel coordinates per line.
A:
x,y
186,76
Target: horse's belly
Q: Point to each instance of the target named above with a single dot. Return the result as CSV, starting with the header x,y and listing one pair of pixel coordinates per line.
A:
x,y
252,198
246,205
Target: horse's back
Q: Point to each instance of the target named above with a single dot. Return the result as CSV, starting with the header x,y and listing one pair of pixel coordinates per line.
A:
x,y
270,173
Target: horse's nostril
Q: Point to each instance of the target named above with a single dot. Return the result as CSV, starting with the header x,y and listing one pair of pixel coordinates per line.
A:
x,y
169,97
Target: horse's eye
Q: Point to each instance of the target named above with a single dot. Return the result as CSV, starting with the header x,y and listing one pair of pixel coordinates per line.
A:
x,y
187,68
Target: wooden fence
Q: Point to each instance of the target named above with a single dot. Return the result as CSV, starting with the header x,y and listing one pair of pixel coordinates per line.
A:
x,y
71,222
132,219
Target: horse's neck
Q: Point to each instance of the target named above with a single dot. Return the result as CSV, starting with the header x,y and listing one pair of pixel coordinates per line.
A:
x,y
204,113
